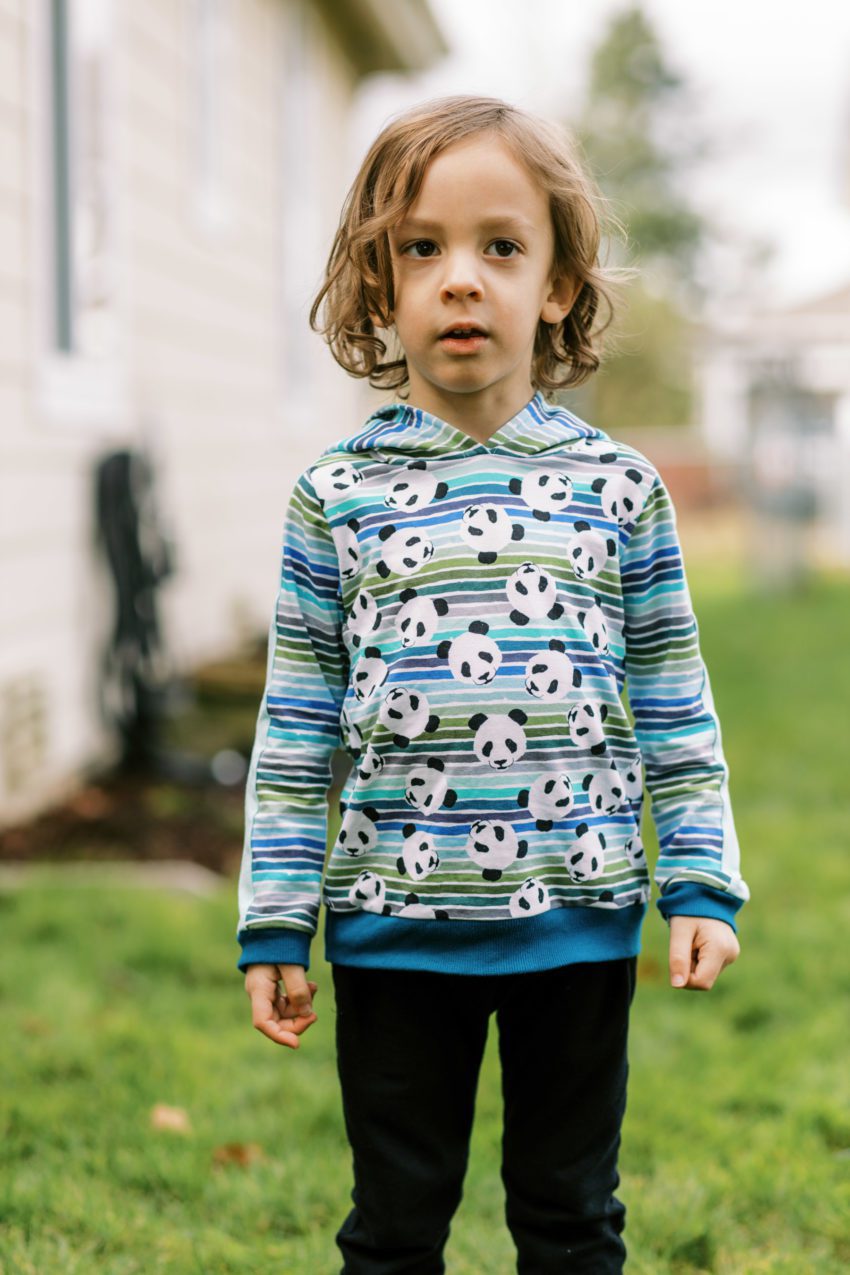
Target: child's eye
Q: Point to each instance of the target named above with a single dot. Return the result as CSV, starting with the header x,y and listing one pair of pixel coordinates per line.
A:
x,y
418,243
506,243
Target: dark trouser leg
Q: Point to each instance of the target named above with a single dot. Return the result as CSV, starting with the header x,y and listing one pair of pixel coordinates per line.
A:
x,y
409,1050
563,1046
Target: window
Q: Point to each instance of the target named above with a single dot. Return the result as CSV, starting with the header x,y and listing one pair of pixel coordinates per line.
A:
x,y
76,192
301,199
211,54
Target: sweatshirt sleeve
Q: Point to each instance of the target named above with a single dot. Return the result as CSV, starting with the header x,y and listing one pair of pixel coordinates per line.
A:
x,y
298,728
676,726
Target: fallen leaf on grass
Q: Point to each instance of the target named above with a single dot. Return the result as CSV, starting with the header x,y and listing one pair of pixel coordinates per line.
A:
x,y
241,1153
35,1025
175,1119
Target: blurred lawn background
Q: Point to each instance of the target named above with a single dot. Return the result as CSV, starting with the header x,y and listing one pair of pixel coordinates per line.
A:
x,y
736,1142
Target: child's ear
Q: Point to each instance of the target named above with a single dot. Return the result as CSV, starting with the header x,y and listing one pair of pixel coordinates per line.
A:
x,y
560,300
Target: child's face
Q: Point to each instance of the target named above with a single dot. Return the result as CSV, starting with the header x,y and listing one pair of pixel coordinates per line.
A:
x,y
476,246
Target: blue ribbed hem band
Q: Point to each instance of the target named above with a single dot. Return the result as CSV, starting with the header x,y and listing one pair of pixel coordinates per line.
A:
x,y
560,936
690,898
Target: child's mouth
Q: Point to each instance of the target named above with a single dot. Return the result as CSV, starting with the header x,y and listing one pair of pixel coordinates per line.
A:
x,y
464,340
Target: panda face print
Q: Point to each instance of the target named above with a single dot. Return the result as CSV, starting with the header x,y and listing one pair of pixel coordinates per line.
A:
x,y
363,618
358,833
545,491
605,790
632,773
419,857
622,495
532,594
530,899
405,552
499,737
334,479
426,787
588,551
420,911
585,726
549,799
473,657
585,858
350,733
493,845
369,892
595,629
417,618
635,852
407,714
371,765
550,675
487,529
347,548
369,673
598,448
414,488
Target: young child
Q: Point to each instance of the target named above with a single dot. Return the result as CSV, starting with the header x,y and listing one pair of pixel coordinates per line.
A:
x,y
469,580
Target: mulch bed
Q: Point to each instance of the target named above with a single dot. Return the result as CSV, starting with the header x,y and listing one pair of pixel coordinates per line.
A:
x,y
125,816
165,811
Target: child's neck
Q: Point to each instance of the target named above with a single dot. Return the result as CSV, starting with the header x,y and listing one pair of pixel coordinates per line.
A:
x,y
479,414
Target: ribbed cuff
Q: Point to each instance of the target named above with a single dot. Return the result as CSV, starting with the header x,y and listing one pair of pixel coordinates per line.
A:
x,y
691,898
274,945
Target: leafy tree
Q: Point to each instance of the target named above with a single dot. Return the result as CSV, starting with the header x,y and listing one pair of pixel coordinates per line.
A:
x,y
641,136
638,130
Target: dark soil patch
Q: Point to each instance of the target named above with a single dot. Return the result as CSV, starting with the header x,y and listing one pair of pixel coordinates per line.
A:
x,y
171,809
130,817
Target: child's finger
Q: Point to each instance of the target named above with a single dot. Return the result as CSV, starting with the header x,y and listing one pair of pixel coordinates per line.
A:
x,y
293,1014
297,1000
682,932
280,1033
272,1011
296,989
266,1019
700,948
709,964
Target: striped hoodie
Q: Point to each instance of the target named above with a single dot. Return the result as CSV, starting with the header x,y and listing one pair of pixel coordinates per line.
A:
x,y
463,619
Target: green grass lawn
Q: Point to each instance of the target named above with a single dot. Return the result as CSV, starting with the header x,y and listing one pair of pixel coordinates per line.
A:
x,y
736,1143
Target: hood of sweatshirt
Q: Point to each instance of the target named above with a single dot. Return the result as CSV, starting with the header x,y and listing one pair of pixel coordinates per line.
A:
x,y
401,430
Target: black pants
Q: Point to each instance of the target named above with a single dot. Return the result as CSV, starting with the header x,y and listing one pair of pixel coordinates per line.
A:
x,y
409,1050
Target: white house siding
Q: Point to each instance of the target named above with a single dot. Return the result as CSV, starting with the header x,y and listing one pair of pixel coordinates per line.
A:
x,y
199,377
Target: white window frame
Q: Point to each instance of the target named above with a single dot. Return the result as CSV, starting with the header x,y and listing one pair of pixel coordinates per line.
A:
x,y
301,244
75,385
210,34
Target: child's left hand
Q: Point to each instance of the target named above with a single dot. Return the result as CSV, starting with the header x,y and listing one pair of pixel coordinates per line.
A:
x,y
700,947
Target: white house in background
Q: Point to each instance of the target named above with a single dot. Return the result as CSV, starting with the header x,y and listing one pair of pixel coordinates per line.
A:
x,y
775,394
171,173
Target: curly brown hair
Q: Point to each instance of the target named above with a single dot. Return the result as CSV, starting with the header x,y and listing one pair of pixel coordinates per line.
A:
x,y
358,281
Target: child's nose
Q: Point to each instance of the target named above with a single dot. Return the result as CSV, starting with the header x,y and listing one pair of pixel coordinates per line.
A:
x,y
461,278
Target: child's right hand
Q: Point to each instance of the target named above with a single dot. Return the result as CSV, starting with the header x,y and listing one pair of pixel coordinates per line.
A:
x,y
282,1016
